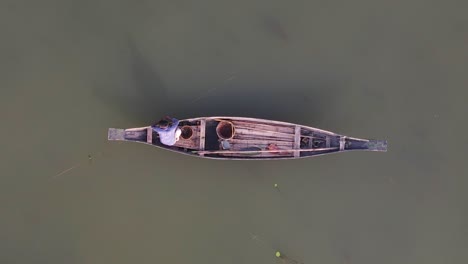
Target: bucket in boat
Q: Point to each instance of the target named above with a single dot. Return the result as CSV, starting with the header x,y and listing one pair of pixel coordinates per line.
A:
x,y
187,132
225,130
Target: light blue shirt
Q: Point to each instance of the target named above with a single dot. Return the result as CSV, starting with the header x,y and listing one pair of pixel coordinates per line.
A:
x,y
167,136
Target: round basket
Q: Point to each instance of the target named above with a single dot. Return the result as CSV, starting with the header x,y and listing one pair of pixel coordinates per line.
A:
x,y
225,130
187,132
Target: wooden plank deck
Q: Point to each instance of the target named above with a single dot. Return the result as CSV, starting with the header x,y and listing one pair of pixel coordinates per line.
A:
x,y
251,134
250,142
260,133
192,143
263,127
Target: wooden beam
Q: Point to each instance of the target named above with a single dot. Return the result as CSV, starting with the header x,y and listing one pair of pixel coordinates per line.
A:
x,y
311,141
254,142
342,143
263,127
149,135
269,138
297,141
202,134
137,128
247,131
261,151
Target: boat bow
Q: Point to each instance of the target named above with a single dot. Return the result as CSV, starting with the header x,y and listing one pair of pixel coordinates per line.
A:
x,y
116,134
377,145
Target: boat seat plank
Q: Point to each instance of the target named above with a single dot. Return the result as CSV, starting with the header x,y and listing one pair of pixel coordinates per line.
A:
x,y
149,135
202,134
311,141
297,140
342,143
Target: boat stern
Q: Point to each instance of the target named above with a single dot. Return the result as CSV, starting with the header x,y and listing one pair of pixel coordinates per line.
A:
x,y
364,144
377,145
116,134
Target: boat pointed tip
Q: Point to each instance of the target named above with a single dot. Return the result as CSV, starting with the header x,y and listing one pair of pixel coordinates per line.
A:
x,y
377,145
116,134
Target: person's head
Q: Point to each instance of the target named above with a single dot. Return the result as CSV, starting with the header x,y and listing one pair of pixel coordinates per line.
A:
x,y
163,123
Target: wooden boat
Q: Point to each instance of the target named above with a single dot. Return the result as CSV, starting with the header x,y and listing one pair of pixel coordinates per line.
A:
x,y
242,138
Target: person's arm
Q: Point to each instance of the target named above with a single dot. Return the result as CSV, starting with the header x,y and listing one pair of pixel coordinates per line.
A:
x,y
157,129
175,122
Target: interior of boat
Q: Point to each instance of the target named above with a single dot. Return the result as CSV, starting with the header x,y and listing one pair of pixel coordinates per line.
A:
x,y
238,138
249,138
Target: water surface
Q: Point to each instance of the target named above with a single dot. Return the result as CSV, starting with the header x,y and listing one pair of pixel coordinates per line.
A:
x,y
392,70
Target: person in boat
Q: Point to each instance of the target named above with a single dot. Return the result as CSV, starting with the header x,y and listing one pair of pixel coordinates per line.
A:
x,y
168,130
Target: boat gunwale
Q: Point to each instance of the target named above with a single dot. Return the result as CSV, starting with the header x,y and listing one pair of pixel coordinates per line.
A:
x,y
253,120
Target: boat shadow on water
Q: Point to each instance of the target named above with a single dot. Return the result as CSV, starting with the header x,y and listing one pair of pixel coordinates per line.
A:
x,y
140,94
142,97
276,103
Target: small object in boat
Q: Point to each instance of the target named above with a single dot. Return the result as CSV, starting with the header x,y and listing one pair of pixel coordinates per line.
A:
x,y
225,144
274,147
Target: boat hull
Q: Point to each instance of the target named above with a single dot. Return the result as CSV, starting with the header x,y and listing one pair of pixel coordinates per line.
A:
x,y
242,138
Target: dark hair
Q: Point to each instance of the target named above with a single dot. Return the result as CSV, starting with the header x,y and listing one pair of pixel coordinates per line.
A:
x,y
163,123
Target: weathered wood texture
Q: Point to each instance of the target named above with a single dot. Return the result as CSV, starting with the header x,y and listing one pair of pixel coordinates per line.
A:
x,y
297,140
149,135
254,138
135,134
261,135
193,142
264,127
265,151
202,134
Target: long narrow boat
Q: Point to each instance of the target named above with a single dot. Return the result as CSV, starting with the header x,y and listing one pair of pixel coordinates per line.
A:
x,y
242,138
